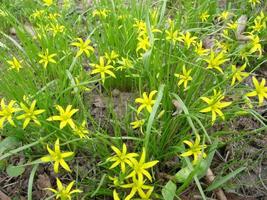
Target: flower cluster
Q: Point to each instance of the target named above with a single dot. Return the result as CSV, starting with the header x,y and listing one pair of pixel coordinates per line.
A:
x,y
133,172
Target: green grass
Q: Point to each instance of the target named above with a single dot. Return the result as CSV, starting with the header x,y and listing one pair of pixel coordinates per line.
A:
x,y
162,136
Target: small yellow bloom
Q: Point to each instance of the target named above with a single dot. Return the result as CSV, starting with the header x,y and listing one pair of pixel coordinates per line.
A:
x,y
259,23
232,25
82,87
111,57
146,102
184,77
30,114
121,158
224,15
84,47
103,69
255,44
254,2
172,36
46,58
195,149
6,112
103,13
56,28
53,16
57,157
140,167
215,105
187,39
238,73
116,181
204,16
64,193
138,186
64,116
200,50
48,2
140,25
260,90
115,195
124,63
81,130
215,61
37,14
137,124
143,43
15,64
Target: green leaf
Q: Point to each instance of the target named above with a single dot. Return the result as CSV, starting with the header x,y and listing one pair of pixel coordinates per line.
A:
x,y
7,143
169,190
152,116
220,181
14,171
182,175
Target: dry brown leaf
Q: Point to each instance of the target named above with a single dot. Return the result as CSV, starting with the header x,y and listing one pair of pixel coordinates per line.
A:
x,y
3,196
43,181
241,27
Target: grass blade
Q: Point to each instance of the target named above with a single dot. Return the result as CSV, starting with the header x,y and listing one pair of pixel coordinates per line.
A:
x,y
152,115
220,181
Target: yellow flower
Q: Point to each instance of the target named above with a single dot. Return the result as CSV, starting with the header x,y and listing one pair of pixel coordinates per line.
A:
x,y
140,167
238,73
64,116
232,25
222,46
259,23
30,114
15,64
101,13
254,2
121,158
124,63
146,102
81,86
37,14
116,180
260,90
200,50
184,77
56,28
84,47
195,149
48,2
215,105
204,16
138,186
215,61
81,130
140,25
137,124
187,39
143,43
53,16
103,69
111,57
224,15
46,58
64,193
172,36
255,44
115,195
6,112
57,157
